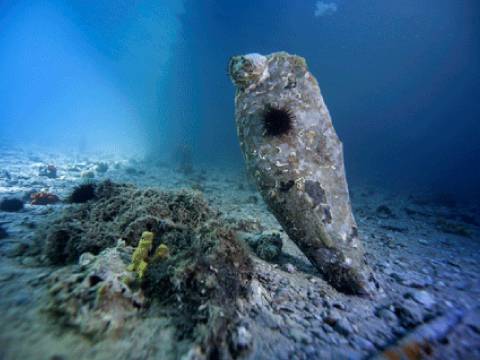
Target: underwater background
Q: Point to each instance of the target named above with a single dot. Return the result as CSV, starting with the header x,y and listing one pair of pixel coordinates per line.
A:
x,y
172,187
400,78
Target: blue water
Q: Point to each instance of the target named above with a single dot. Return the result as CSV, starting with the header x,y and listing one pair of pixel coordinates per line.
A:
x,y
401,79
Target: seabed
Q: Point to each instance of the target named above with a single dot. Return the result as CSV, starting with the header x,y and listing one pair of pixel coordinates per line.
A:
x,y
228,288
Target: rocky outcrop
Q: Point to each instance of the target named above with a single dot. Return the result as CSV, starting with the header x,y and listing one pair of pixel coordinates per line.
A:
x,y
197,280
294,154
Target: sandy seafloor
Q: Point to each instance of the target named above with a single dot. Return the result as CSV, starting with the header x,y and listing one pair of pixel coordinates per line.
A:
x,y
430,277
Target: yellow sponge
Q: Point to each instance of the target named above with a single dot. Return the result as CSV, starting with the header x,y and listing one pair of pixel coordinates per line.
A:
x,y
162,252
139,262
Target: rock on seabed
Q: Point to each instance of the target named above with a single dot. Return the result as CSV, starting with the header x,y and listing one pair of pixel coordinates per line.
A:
x,y
293,152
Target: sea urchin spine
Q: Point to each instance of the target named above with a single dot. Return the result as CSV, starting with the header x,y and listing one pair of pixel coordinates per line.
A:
x,y
277,121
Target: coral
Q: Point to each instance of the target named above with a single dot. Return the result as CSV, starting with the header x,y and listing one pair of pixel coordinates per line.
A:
x,y
11,204
44,198
141,254
49,171
82,193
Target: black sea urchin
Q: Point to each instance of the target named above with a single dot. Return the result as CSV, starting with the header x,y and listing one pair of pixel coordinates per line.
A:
x,y
83,193
277,121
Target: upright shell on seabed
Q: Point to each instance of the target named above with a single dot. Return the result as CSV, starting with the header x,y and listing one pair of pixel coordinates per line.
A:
x,y
294,154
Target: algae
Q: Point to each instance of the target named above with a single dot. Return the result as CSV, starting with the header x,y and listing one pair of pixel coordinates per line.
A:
x,y
196,277
120,212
